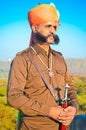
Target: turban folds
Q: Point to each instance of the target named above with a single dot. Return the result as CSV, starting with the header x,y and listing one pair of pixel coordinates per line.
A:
x,y
43,13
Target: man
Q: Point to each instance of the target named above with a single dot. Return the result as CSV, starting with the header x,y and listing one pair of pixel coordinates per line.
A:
x,y
27,91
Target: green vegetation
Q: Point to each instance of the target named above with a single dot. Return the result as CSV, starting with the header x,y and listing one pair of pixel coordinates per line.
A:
x,y
8,115
80,83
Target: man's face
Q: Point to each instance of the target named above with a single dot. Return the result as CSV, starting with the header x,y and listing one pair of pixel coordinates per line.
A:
x,y
48,30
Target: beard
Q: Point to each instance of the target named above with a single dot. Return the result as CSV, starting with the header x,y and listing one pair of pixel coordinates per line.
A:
x,y
38,37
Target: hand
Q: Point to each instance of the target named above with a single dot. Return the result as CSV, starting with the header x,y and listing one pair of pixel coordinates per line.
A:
x,y
66,116
55,112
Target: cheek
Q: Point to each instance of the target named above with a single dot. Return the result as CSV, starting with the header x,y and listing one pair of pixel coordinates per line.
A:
x,y
45,32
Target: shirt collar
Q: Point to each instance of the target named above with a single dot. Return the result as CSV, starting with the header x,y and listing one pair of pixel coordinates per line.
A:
x,y
41,50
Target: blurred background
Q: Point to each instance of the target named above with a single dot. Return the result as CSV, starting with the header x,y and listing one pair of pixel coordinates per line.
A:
x,y
15,30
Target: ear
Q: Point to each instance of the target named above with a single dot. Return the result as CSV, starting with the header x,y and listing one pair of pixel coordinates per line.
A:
x,y
34,28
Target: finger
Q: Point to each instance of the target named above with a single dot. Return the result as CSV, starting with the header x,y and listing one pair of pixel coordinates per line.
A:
x,y
65,118
65,122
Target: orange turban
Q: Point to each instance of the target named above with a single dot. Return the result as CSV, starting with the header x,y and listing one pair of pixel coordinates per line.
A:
x,y
43,13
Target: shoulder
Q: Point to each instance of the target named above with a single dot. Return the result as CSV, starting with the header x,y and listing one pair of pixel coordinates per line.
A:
x,y
23,52
59,56
21,57
57,53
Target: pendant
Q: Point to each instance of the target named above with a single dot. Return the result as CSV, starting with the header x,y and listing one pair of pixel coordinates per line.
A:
x,y
51,74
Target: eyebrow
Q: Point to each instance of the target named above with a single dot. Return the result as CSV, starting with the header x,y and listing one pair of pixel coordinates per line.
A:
x,y
49,25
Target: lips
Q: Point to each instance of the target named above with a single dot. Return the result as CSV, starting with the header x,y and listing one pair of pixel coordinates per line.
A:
x,y
51,37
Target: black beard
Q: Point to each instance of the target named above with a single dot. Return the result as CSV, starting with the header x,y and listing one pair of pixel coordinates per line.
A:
x,y
38,37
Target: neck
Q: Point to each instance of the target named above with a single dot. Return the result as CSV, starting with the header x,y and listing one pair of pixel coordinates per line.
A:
x,y
45,47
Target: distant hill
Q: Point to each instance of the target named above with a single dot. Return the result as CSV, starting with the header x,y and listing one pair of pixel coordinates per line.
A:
x,y
75,66
4,69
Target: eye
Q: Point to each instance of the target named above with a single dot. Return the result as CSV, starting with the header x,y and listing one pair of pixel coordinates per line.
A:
x,y
48,26
51,26
55,27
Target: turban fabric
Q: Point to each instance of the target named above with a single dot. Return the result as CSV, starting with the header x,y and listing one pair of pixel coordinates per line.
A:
x,y
43,13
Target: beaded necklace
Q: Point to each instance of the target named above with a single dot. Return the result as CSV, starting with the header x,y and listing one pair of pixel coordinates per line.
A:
x,y
50,73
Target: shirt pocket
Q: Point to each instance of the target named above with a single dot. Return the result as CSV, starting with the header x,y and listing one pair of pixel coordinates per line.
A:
x,y
37,80
60,75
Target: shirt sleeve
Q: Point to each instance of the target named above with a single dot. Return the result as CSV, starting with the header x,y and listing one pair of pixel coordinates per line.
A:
x,y
72,93
15,90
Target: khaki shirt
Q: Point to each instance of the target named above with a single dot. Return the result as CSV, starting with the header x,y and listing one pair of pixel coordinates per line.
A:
x,y
28,92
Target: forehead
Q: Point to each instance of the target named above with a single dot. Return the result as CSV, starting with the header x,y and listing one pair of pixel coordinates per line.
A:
x,y
50,23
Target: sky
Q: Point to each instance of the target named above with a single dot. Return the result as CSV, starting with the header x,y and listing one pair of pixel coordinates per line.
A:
x,y
15,30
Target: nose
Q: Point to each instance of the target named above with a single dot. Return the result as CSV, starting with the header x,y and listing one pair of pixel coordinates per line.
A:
x,y
52,29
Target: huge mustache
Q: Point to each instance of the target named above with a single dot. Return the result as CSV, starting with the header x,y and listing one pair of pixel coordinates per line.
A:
x,y
38,37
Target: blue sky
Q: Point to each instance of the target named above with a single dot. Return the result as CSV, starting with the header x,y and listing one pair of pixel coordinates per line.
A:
x,y
15,30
